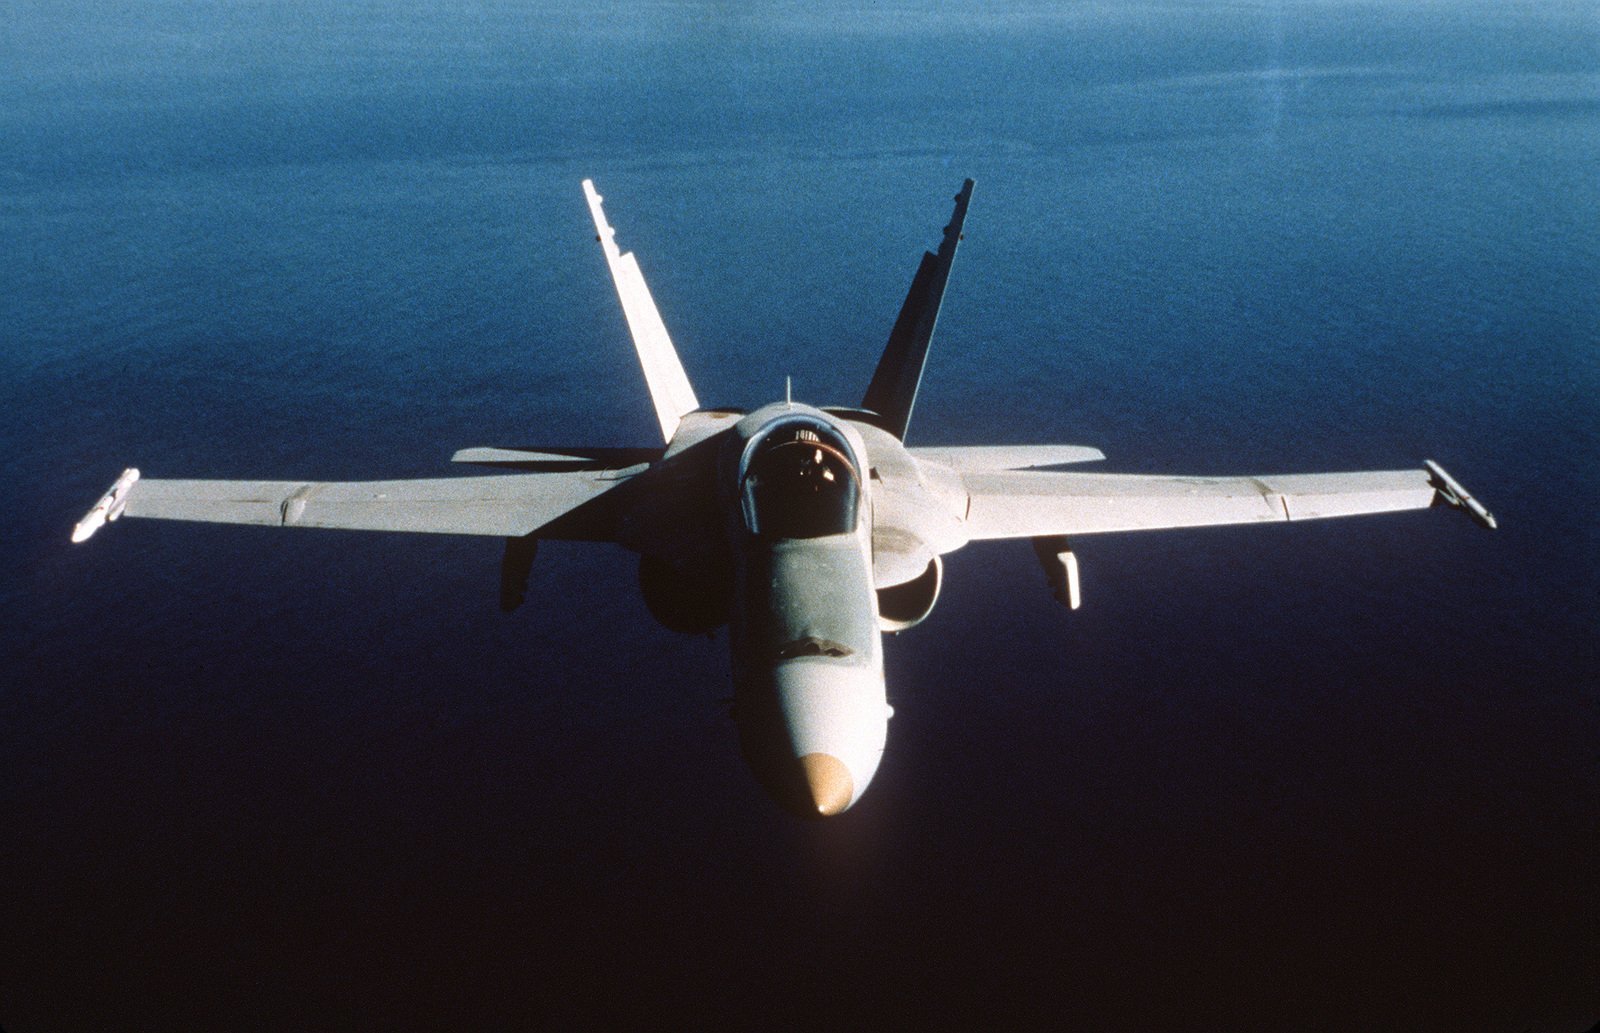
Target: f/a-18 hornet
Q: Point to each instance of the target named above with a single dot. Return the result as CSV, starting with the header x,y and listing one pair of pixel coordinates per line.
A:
x,y
807,531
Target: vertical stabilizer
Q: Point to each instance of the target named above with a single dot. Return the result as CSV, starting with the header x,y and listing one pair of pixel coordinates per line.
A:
x,y
663,372
893,390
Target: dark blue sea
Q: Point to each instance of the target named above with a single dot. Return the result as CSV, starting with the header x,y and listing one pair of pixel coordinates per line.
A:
x,y
1337,776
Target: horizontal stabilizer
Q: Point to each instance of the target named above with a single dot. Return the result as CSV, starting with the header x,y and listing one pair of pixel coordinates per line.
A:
x,y
975,458
556,458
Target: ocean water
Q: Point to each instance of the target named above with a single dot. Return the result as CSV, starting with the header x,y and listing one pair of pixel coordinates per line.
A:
x,y
1323,776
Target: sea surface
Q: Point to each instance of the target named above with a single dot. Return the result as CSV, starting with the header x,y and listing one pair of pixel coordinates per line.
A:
x,y
1327,776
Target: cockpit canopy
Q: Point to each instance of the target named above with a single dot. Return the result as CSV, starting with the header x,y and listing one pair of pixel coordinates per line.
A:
x,y
798,481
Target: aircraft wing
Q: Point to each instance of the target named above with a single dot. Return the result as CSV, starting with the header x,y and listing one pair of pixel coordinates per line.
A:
x,y
1022,504
506,506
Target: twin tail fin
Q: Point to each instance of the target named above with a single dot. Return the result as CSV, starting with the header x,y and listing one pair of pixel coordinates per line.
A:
x,y
893,390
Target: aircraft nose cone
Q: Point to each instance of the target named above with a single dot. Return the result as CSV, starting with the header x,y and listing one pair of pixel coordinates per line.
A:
x,y
829,782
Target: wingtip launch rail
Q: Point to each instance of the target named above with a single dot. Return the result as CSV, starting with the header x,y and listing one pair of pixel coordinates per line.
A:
x,y
108,508
1452,493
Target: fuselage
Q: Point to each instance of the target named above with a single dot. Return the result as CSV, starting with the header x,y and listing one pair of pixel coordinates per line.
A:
x,y
807,652
816,532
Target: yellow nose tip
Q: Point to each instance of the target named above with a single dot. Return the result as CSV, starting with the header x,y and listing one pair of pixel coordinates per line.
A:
x,y
829,782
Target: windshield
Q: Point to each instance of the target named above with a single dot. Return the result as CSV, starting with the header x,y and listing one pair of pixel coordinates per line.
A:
x,y
800,484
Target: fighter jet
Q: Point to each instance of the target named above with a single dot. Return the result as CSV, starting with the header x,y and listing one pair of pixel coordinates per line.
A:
x,y
809,532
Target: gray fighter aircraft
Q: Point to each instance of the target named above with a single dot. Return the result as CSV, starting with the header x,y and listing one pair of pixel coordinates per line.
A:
x,y
807,531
